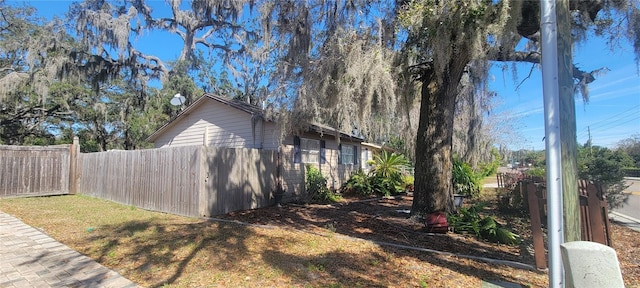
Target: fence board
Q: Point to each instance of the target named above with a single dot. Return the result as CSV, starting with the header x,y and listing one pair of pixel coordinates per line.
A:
x,y
34,170
156,179
593,216
536,225
190,181
238,179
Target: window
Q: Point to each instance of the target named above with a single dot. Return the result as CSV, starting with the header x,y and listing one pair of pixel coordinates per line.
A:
x,y
348,154
308,150
365,159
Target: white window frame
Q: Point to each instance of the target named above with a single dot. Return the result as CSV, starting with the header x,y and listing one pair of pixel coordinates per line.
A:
x,y
346,152
309,150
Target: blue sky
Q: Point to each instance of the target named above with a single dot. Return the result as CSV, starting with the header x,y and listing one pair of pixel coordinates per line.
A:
x,y
613,110
612,113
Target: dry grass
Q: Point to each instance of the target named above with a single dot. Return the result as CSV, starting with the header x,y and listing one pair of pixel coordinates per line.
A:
x,y
156,249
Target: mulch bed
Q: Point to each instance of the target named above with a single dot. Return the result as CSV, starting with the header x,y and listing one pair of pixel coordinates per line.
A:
x,y
383,220
387,220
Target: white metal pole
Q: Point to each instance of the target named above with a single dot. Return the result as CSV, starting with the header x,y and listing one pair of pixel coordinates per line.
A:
x,y
551,91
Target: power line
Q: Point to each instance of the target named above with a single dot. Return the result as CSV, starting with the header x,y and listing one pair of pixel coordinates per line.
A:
x,y
621,123
614,117
613,121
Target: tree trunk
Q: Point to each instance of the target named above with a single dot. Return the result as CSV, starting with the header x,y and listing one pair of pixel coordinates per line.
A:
x,y
568,145
434,161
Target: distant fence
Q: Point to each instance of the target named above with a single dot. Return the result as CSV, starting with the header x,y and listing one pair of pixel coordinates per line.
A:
x,y
35,171
631,172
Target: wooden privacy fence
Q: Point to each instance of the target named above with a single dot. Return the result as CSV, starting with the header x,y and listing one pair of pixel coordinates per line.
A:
x,y
191,180
166,180
36,170
594,219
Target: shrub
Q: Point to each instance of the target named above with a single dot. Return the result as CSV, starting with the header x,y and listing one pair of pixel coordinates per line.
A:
x,y
408,180
604,166
316,185
358,184
465,180
386,175
389,165
511,200
536,172
386,186
469,220
490,168
385,178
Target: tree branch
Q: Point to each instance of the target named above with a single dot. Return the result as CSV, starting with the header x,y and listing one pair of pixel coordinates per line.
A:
x,y
535,58
529,26
525,78
421,71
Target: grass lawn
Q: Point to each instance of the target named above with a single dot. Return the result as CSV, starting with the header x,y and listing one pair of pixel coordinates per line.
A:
x,y
156,249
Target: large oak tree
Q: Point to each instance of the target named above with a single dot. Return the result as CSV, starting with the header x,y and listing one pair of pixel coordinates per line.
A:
x,y
450,39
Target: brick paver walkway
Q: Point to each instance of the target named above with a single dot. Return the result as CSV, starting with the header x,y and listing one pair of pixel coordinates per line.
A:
x,y
30,258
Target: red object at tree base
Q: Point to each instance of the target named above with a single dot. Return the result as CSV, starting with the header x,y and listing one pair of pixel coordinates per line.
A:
x,y
436,222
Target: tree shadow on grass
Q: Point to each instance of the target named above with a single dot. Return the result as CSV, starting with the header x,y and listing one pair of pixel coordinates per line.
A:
x,y
375,269
382,220
156,254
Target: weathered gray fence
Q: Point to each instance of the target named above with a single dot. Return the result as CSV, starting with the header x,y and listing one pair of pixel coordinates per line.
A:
x,y
166,180
238,179
35,171
191,181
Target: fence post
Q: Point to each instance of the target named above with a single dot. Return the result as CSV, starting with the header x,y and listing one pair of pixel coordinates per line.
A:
x,y
596,217
74,151
203,194
536,226
279,190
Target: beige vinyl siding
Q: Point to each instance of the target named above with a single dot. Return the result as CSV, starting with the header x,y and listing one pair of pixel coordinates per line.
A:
x,y
212,124
270,137
366,154
336,174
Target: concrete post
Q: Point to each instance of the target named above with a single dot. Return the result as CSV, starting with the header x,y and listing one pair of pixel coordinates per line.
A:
x,y
590,264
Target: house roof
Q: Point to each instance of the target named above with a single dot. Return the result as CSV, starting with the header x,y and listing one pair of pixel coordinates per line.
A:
x,y
242,106
321,129
378,146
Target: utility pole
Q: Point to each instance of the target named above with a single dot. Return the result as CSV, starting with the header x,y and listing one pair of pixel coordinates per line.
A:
x,y
569,150
590,145
550,89
560,132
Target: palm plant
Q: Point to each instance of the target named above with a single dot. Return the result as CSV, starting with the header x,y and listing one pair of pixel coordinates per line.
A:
x,y
388,171
389,164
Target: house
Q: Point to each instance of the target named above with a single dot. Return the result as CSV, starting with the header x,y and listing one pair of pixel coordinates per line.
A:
x,y
217,121
370,149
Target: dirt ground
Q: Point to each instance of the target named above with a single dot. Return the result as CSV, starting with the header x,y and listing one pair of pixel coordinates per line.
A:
x,y
380,219
386,220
